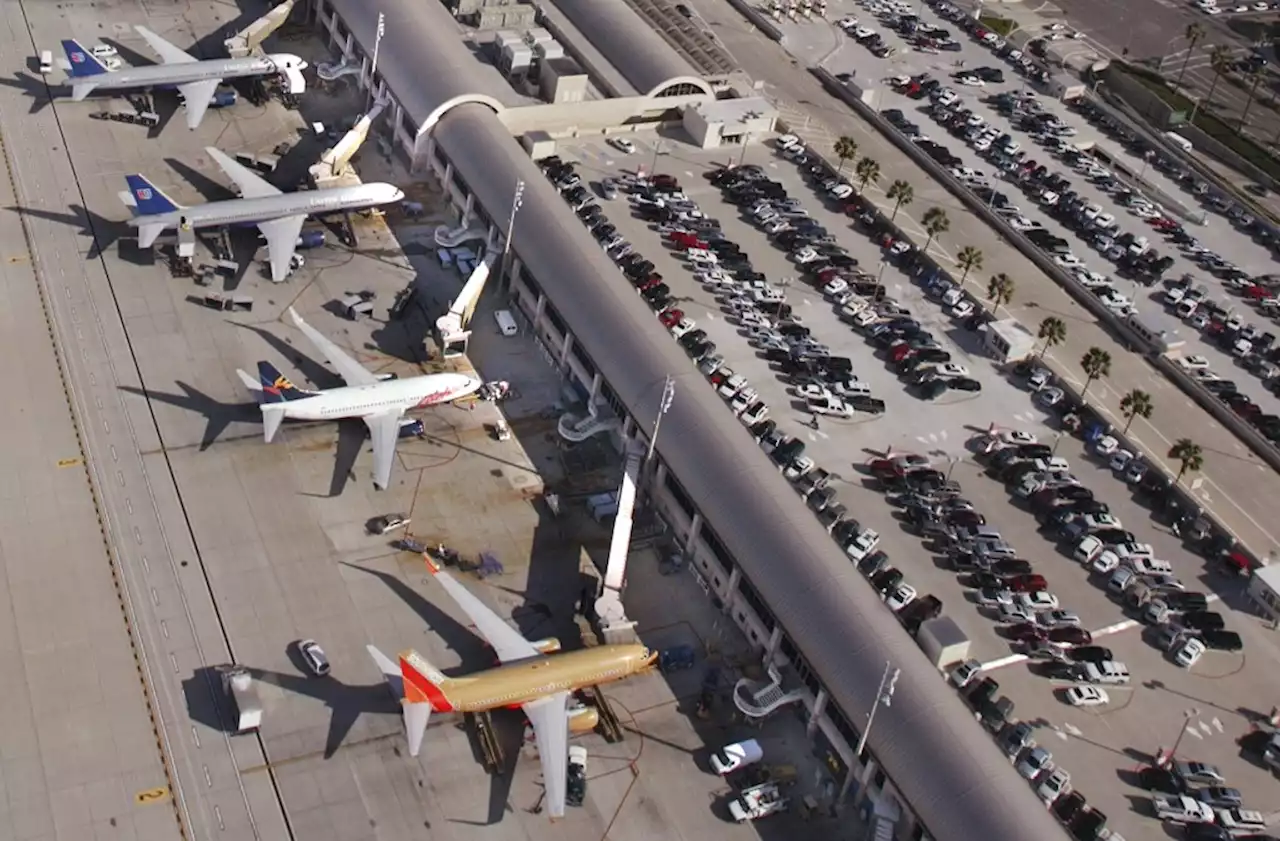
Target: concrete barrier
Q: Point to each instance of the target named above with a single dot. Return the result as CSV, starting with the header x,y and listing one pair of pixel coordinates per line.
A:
x,y
758,19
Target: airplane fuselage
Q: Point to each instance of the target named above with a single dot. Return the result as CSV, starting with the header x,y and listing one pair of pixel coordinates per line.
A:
x,y
513,684
388,395
250,210
182,73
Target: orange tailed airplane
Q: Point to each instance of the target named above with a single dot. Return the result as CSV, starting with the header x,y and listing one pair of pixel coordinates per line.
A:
x,y
531,677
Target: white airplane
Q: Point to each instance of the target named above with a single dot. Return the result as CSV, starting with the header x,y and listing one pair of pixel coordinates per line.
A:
x,y
379,402
278,215
196,80
533,676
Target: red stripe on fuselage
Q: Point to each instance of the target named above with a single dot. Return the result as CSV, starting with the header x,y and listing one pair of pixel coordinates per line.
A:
x,y
419,690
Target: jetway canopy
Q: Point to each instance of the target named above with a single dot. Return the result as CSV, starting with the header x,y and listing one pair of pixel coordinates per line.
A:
x,y
944,764
632,46
422,57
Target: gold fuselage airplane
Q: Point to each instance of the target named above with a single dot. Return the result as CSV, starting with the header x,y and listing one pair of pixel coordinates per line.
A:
x,y
531,677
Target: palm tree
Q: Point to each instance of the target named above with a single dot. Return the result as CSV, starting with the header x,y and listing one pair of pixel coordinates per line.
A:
x,y
900,193
1255,77
1000,291
1096,363
868,171
1189,455
846,150
1220,62
935,222
1053,331
968,259
1194,33
1136,404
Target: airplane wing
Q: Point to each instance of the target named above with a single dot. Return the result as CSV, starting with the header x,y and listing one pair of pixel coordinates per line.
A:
x,y
384,428
251,184
197,96
550,718
348,368
506,641
169,54
282,240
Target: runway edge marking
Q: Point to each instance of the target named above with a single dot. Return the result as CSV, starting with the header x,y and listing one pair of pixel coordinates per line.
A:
x,y
112,561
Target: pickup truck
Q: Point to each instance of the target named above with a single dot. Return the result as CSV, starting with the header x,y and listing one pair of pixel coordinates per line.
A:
x,y
757,802
830,405
814,480
860,546
1181,809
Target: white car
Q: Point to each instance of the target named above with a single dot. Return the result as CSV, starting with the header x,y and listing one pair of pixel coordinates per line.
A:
x,y
972,81
994,598
313,657
806,255
1035,762
1013,614
685,325
835,287
1059,619
1054,786
1106,445
1087,696
1189,653
104,51
865,318
1021,223
904,595
1087,549
1017,436
812,392
1037,601
787,140
1105,563
623,145
951,369
962,309
703,257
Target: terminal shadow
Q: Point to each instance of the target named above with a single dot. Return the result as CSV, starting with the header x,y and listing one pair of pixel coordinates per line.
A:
x,y
218,415
104,232
41,92
207,703
316,374
458,638
345,702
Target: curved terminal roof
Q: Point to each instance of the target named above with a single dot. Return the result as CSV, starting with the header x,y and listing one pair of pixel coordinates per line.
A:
x,y
947,768
422,57
632,46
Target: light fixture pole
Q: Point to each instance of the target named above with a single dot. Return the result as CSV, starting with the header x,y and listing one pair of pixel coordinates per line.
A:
x,y
517,202
373,70
668,396
657,150
1187,715
884,697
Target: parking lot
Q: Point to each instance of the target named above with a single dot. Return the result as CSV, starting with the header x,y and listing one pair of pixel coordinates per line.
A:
x,y
1096,746
1219,234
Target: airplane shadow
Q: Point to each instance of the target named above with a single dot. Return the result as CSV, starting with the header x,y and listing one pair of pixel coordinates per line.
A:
x,y
351,440
41,92
208,188
218,415
462,640
102,231
345,702
316,374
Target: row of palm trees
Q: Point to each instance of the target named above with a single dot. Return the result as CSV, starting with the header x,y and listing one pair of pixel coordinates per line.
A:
x,y
1220,63
1096,362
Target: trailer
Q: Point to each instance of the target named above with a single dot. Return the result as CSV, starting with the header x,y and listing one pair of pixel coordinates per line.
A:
x,y
942,641
237,682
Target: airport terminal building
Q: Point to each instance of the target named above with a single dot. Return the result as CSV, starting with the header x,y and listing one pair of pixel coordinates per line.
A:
x,y
929,769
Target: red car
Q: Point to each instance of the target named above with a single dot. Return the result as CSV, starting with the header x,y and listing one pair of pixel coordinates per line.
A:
x,y
670,318
1025,632
899,352
1029,583
649,282
1071,636
683,238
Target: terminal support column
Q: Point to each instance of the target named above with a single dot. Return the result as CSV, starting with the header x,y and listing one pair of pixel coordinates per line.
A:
x,y
771,647
565,347
731,587
695,527
819,707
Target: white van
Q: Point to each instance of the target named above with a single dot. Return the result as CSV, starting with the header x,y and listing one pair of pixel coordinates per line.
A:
x,y
738,755
46,62
506,322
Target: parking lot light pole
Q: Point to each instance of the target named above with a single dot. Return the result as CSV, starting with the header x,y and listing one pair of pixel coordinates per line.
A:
x,y
657,150
1187,715
884,697
668,396
373,68
517,201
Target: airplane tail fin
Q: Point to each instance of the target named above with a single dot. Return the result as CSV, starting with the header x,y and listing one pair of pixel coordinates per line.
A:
x,y
404,680
83,62
149,199
276,387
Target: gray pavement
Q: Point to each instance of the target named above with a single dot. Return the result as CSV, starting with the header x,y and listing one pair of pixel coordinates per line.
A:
x,y
1234,480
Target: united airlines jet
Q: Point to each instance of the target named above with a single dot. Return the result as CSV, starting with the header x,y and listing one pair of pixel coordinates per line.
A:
x,y
196,80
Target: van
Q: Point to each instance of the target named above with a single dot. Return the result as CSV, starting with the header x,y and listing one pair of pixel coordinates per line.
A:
x,y
1107,672
736,756
46,62
1120,580
506,323
1179,141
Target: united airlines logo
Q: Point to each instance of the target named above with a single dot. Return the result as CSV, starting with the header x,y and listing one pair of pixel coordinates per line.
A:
x,y
143,194
78,58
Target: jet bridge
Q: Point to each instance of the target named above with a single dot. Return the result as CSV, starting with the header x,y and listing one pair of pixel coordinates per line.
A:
x,y
333,167
452,328
249,40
